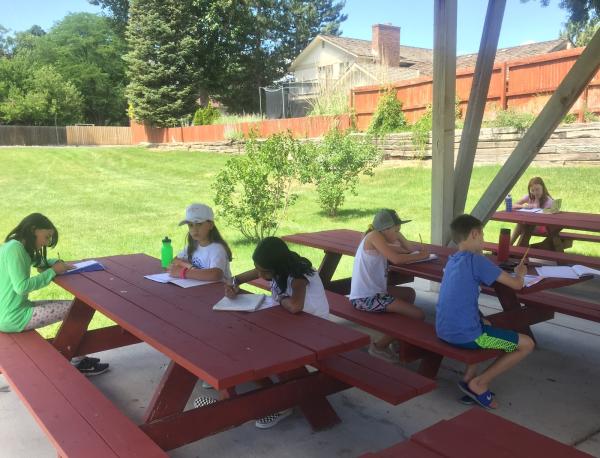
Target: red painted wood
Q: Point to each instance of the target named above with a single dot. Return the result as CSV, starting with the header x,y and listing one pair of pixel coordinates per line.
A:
x,y
102,339
192,425
405,329
406,449
579,236
569,220
73,328
393,384
560,257
205,361
564,304
421,384
77,393
496,437
68,431
172,394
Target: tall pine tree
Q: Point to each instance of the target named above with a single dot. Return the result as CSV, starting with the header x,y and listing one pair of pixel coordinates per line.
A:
x,y
162,60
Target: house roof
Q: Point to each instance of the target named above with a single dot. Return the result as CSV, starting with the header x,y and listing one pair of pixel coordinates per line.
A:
x,y
421,59
502,55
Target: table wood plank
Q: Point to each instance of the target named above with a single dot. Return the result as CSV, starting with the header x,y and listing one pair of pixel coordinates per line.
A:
x,y
121,433
570,220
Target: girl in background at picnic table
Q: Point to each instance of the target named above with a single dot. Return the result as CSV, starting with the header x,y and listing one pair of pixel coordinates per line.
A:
x,y
206,255
25,246
295,285
369,290
537,197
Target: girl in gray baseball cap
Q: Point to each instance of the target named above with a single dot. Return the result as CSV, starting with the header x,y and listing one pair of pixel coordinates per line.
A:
x,y
369,291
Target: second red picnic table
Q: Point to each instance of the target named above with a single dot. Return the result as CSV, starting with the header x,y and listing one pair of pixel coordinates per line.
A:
x,y
339,242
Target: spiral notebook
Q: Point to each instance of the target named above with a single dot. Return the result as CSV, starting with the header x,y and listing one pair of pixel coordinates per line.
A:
x,y
241,303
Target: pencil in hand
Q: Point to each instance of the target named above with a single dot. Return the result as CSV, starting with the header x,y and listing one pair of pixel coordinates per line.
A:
x,y
524,256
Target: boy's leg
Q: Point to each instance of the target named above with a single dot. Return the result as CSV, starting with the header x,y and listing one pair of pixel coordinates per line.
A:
x,y
480,384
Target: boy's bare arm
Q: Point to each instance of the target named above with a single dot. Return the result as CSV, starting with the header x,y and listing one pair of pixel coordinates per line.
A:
x,y
516,282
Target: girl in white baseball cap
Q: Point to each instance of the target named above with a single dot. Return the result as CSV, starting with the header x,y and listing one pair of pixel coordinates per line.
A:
x,y
206,255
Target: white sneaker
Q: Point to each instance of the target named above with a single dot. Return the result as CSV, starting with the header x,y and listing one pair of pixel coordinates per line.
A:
x,y
203,401
386,354
271,420
207,386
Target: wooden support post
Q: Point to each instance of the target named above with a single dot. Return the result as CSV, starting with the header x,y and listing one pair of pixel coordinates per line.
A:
x,y
534,139
444,92
477,99
504,82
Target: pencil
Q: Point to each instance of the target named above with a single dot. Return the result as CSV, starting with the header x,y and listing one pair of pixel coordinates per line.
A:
x,y
525,255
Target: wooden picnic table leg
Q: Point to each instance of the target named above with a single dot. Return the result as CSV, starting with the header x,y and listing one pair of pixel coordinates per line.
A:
x,y
327,268
509,302
73,328
318,411
172,394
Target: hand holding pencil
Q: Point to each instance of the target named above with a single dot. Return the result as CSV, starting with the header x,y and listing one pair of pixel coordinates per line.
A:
x,y
521,269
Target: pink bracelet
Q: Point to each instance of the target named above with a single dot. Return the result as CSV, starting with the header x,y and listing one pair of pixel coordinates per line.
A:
x,y
183,272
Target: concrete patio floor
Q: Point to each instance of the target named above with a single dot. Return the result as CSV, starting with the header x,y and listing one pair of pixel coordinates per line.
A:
x,y
554,392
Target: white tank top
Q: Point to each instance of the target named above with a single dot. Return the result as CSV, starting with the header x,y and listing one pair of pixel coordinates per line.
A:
x,y
315,301
369,275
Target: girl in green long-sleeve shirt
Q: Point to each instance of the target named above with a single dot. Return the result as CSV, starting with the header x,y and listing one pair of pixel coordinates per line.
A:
x,y
24,247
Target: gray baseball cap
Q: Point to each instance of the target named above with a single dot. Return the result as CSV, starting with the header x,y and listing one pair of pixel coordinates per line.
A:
x,y
386,218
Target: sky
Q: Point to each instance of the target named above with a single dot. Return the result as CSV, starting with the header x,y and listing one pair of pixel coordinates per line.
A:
x,y
523,22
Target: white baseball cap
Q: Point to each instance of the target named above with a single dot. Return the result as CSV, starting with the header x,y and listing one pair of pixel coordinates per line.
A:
x,y
197,213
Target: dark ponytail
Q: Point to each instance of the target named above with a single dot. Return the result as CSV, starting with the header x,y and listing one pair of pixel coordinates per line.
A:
x,y
273,254
25,233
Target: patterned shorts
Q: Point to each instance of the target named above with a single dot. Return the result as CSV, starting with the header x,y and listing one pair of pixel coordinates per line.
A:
x,y
377,303
494,339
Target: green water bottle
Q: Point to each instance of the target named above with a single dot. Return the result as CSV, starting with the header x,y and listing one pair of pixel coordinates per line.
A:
x,y
166,253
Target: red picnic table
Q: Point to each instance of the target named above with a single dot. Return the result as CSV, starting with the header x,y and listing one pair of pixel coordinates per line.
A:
x,y
476,433
340,242
554,223
223,348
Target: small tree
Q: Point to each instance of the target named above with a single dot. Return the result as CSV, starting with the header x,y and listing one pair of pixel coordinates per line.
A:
x,y
254,191
335,164
388,116
205,116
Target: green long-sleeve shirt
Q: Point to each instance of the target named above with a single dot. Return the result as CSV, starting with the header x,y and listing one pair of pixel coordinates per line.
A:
x,y
15,284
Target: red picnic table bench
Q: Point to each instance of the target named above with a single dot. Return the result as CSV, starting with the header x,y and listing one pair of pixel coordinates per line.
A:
x,y
476,433
557,239
419,339
224,349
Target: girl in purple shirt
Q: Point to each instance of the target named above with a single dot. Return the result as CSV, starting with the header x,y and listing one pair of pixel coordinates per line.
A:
x,y
537,197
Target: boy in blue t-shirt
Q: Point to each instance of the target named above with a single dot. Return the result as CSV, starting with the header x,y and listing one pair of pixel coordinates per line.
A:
x,y
458,319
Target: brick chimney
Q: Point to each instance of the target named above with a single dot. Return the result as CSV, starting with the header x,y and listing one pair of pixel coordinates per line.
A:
x,y
385,44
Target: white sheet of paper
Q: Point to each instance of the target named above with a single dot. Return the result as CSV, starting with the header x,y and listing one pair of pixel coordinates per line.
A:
x,y
164,277
241,303
584,270
431,257
557,272
530,210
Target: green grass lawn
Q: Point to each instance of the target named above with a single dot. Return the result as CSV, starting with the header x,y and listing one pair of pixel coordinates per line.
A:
x,y
107,201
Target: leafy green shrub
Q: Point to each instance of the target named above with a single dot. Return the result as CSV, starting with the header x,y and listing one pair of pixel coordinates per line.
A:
x,y
590,116
334,165
569,118
253,191
511,118
388,116
420,132
206,115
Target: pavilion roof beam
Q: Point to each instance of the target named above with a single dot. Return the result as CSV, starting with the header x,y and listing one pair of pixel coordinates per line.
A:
x,y
534,139
477,100
444,92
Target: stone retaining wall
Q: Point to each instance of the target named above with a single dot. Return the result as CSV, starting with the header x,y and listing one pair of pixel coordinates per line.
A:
x,y
570,144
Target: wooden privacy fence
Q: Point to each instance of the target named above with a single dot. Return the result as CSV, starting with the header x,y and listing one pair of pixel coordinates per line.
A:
x,y
32,135
522,85
309,127
69,135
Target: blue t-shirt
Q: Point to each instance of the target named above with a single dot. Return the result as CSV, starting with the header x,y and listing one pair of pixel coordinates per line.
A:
x,y
457,311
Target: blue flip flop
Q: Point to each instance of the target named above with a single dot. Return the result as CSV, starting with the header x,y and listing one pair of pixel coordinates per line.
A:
x,y
484,399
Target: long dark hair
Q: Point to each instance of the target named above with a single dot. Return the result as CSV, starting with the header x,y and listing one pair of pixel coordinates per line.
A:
x,y
273,254
214,236
25,233
545,193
